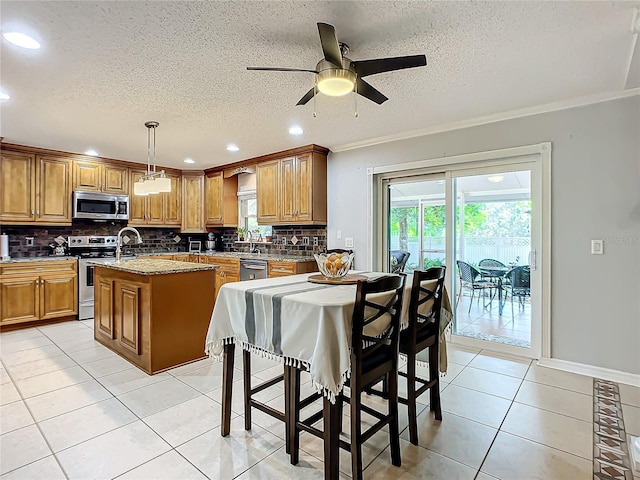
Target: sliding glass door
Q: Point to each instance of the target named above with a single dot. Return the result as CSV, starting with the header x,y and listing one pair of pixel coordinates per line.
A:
x,y
483,223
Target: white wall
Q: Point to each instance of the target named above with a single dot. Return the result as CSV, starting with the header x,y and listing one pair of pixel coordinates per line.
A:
x,y
595,195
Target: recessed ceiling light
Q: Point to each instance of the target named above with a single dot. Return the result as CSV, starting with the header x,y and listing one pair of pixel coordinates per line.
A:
x,y
91,152
496,178
296,130
232,147
4,96
189,160
22,40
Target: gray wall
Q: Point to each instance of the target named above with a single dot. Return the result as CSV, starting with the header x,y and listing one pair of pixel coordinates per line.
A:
x,y
595,305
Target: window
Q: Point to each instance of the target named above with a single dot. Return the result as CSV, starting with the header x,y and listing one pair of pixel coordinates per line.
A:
x,y
248,214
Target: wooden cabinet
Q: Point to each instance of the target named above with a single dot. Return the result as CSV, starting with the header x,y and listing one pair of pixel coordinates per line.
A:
x,y
39,290
158,210
193,204
283,269
293,190
96,176
229,270
221,200
35,189
267,190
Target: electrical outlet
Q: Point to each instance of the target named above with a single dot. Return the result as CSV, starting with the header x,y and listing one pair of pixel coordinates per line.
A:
x,y
28,241
348,242
315,241
284,240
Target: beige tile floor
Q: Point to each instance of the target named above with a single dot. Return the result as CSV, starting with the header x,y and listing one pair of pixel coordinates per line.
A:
x,y
73,409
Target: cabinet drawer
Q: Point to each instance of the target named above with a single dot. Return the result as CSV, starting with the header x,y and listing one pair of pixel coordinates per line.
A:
x,y
37,268
229,264
282,268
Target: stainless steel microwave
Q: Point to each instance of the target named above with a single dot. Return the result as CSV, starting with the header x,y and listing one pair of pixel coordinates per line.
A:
x,y
100,206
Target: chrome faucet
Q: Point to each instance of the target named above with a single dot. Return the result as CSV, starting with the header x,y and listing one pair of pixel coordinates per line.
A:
x,y
119,240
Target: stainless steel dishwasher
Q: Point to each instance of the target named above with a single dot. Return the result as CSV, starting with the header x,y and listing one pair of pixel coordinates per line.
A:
x,y
253,269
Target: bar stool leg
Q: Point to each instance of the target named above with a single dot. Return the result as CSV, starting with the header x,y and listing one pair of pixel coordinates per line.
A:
x,y
246,375
227,383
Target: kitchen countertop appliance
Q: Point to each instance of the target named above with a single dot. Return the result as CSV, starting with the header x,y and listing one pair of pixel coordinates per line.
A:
x,y
90,248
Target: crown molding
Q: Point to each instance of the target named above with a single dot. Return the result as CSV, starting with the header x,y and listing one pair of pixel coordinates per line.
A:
x,y
493,118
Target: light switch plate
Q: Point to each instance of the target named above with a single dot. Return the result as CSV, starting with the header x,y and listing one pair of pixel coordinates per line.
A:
x,y
348,242
597,247
339,234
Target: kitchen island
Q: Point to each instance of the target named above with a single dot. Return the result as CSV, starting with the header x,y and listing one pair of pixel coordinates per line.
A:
x,y
153,312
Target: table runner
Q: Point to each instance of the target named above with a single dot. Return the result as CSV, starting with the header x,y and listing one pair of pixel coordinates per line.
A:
x,y
293,321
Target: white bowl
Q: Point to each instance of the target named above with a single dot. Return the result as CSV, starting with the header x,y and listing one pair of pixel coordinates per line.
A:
x,y
334,265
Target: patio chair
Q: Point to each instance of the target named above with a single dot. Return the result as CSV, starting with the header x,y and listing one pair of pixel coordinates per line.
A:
x,y
398,260
471,279
519,285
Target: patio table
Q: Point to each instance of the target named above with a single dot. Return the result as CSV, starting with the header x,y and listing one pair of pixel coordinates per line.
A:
x,y
498,273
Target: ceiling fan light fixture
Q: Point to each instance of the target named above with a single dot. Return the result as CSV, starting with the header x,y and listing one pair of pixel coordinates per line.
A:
x,y
336,82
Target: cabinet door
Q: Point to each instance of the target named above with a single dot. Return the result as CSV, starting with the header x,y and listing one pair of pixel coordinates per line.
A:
x,y
213,189
288,189
20,299
116,179
267,185
155,214
128,315
193,203
58,296
103,308
173,202
304,188
137,203
87,176
54,190
17,187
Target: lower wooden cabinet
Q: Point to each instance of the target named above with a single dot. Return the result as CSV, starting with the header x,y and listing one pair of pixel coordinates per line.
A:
x,y
229,270
39,290
283,269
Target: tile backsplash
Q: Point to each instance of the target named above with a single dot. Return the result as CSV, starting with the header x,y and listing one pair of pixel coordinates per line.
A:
x,y
162,239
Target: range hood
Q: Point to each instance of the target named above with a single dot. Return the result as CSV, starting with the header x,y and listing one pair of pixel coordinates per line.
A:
x,y
239,170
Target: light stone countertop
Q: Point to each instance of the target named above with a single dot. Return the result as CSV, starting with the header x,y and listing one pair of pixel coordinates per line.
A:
x,y
154,266
241,255
39,259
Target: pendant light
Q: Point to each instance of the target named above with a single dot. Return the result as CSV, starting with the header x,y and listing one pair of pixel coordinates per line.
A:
x,y
152,182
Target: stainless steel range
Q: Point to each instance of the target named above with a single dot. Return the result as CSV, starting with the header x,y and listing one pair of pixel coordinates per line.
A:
x,y
98,248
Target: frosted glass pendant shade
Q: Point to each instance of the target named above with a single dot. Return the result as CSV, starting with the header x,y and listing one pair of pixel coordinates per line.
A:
x,y
138,189
162,184
151,186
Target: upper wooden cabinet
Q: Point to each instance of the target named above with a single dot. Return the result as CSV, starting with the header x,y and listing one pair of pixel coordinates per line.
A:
x,y
221,200
159,210
35,189
293,190
94,176
193,203
268,192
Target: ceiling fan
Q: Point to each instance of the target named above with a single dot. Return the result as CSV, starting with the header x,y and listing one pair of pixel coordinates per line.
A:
x,y
337,75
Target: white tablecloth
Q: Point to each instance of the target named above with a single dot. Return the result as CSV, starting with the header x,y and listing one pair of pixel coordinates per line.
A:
x,y
291,320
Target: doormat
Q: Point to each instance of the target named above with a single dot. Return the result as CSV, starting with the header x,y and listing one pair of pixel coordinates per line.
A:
x,y
611,459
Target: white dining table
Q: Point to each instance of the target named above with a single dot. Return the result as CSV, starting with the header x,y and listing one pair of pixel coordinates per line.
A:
x,y
298,323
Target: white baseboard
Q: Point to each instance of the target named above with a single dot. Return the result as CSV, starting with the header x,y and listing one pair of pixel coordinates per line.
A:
x,y
591,370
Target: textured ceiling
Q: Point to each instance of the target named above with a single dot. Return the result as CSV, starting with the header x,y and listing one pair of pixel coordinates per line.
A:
x,y
107,67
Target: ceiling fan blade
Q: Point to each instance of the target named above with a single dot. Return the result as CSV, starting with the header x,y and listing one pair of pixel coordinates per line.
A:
x,y
330,45
281,69
380,65
366,90
307,96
